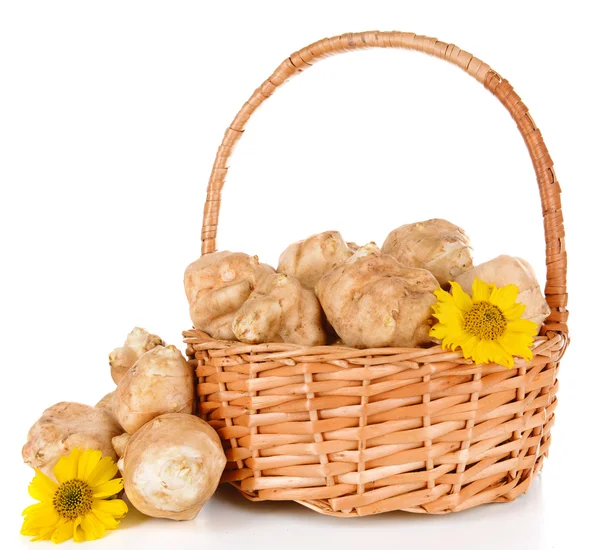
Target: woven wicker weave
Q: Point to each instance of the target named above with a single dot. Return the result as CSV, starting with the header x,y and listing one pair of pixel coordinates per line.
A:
x,y
351,432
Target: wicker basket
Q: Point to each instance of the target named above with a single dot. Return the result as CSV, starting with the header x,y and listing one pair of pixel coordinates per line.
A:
x,y
351,432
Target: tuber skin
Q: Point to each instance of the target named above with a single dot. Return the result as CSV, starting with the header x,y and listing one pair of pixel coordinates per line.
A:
x,y
436,245
280,309
138,342
353,247
107,402
217,285
65,426
312,258
505,270
119,443
160,382
362,251
373,301
172,466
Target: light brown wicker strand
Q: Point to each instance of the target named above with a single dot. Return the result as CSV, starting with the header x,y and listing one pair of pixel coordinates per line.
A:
x,y
254,429
465,445
362,444
538,432
317,434
544,430
197,359
556,259
426,399
228,419
516,436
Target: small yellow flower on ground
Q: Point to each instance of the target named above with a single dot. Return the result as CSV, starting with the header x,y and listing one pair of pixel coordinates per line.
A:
x,y
75,507
487,325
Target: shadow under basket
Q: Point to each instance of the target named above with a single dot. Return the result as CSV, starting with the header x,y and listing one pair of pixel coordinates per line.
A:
x,y
351,432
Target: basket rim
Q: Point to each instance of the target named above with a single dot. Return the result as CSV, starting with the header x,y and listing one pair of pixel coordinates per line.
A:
x,y
346,356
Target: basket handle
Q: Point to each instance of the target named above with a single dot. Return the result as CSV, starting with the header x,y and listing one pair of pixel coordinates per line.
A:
x,y
556,257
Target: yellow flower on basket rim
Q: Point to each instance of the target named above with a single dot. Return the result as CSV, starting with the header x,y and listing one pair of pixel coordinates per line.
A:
x,y
75,507
487,325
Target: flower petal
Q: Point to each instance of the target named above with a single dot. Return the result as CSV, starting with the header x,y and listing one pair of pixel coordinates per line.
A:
x,y
454,339
449,335
115,507
504,297
450,315
67,466
438,331
480,353
447,310
515,312
92,527
44,534
517,343
29,531
63,532
498,355
523,325
78,533
41,515
461,298
40,533
87,463
468,346
443,296
109,488
481,291
34,507
107,520
42,487
104,471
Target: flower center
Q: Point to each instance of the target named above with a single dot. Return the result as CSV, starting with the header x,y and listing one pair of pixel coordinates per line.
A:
x,y
72,499
485,321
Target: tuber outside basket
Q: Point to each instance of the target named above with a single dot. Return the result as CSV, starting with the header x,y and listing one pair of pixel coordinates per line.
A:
x,y
354,432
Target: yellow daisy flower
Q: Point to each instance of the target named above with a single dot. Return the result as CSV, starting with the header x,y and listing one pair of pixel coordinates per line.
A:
x,y
487,326
75,506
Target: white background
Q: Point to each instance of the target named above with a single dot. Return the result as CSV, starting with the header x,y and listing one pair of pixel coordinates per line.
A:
x,y
110,114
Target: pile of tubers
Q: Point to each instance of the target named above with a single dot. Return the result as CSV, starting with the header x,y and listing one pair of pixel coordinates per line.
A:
x,y
326,290
171,461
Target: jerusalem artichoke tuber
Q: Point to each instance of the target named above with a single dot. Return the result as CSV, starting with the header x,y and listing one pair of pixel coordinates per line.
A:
x,y
280,309
172,465
138,342
314,257
160,382
217,285
505,270
65,426
373,301
436,245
